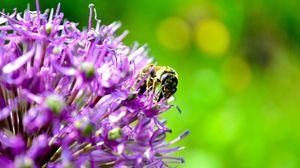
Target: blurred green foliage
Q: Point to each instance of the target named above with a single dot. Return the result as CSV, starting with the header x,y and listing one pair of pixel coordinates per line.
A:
x,y
238,63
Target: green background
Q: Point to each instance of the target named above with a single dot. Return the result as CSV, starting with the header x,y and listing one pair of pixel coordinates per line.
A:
x,y
238,65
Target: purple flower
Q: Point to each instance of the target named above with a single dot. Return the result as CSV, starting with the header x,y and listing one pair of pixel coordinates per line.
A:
x,y
71,98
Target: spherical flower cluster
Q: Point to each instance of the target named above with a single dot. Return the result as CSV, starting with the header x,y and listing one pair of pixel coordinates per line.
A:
x,y
69,98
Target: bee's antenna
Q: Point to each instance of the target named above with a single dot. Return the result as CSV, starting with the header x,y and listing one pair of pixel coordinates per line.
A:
x,y
177,107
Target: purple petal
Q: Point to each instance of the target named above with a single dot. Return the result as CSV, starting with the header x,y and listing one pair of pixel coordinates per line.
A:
x,y
17,63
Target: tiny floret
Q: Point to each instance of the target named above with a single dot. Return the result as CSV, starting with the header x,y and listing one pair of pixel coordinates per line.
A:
x,y
88,69
83,124
55,103
24,162
115,134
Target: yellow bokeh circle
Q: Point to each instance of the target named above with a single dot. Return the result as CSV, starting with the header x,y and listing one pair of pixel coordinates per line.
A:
x,y
212,37
237,74
173,33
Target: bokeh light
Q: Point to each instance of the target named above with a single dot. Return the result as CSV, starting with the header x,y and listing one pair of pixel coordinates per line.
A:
x,y
173,33
212,37
236,74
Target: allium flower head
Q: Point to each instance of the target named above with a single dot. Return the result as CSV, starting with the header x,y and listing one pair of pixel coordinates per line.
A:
x,y
69,98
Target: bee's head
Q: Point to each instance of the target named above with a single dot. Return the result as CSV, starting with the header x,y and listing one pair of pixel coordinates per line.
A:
x,y
169,80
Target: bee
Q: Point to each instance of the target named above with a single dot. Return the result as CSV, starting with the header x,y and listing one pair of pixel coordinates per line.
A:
x,y
162,80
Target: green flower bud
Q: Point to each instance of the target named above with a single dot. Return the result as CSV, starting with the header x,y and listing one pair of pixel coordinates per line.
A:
x,y
88,69
55,103
115,133
25,162
48,28
86,128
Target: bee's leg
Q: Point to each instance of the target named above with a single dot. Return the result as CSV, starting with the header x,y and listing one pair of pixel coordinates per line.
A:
x,y
147,80
145,86
153,88
160,94
142,88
